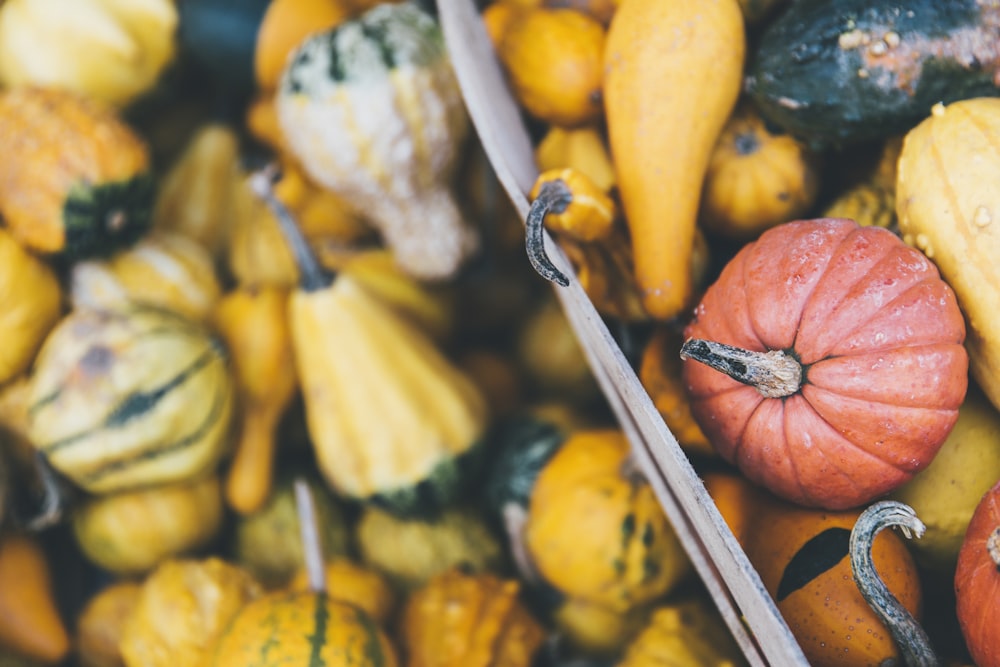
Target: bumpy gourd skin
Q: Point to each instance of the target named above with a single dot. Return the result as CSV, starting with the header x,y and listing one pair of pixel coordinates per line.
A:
x,y
948,207
372,111
74,179
878,336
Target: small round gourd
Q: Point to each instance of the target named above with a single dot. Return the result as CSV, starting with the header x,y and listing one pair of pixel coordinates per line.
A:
x,y
595,530
302,628
131,397
977,581
756,178
458,619
826,362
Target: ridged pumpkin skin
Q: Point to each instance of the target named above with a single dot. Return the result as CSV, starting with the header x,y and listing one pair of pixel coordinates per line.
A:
x,y
977,582
372,111
128,398
595,530
303,628
74,178
948,206
879,337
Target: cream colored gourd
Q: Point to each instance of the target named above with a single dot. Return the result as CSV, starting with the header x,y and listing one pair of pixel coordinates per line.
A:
x,y
164,269
948,206
372,111
111,51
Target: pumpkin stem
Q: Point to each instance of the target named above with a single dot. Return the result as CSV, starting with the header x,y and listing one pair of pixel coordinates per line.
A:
x,y
312,548
774,374
554,196
910,638
993,547
313,276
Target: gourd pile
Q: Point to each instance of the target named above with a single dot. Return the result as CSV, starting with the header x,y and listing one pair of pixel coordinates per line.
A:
x,y
796,201
222,284
279,385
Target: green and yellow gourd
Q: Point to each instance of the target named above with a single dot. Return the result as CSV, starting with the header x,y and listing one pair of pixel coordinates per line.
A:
x,y
130,397
372,110
392,420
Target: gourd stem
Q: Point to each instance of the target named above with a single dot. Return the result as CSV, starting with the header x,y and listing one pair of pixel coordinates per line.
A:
x,y
910,638
51,510
312,548
313,277
553,197
774,374
993,547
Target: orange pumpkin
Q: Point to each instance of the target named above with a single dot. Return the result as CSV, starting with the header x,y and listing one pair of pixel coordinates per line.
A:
x,y
802,557
977,581
841,359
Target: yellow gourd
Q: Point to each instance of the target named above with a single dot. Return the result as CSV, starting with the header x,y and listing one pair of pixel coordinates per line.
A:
x,y
411,551
109,51
686,633
582,148
32,304
466,620
948,207
100,623
195,198
629,554
165,269
553,60
133,531
405,416
663,123
183,609
756,178
351,582
253,323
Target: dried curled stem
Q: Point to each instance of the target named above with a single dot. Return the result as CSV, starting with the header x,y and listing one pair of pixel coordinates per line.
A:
x,y
553,197
313,277
774,374
909,636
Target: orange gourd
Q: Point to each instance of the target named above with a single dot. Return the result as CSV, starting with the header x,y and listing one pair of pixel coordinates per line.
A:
x,y
827,362
977,582
802,558
663,122
30,621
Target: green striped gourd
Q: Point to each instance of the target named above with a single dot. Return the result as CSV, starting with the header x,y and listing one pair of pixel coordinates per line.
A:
x,y
130,397
372,110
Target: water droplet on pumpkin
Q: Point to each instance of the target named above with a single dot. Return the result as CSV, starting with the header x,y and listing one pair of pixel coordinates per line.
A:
x,y
982,217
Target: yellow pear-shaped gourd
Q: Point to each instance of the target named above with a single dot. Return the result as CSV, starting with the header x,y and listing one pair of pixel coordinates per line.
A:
x,y
253,322
391,418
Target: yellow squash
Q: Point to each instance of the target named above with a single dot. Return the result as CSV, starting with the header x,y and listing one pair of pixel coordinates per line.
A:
x,y
948,206
673,71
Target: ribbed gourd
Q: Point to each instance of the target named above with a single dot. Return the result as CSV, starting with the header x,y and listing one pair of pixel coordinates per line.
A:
x,y
372,110
164,269
392,419
130,397
75,179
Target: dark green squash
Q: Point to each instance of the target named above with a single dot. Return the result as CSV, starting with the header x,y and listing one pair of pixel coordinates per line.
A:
x,y
520,448
836,72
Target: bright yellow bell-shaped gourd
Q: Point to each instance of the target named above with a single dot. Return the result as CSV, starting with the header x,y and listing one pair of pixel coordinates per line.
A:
x,y
391,418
